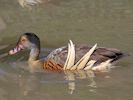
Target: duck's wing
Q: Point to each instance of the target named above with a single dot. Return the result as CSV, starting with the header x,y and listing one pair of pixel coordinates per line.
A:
x,y
101,54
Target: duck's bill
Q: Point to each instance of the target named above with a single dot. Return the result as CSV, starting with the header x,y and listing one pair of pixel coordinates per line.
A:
x,y
16,49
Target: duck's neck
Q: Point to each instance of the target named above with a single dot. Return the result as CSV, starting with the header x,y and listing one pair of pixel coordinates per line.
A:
x,y
34,63
34,54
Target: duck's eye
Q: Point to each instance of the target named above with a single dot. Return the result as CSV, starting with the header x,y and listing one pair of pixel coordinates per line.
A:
x,y
23,40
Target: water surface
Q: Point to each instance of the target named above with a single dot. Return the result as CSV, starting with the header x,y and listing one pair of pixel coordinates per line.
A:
x,y
106,22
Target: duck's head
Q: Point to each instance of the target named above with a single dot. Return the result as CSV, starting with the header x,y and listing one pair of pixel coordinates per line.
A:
x,y
26,41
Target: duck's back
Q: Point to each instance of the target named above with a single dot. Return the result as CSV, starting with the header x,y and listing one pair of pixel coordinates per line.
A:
x,y
101,54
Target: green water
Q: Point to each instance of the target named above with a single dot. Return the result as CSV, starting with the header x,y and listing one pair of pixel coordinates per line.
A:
x,y
106,22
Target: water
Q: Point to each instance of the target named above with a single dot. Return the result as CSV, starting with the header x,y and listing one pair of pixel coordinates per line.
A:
x,y
108,23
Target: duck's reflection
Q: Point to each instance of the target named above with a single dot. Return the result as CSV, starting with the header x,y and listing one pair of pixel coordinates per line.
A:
x,y
41,85
32,83
72,76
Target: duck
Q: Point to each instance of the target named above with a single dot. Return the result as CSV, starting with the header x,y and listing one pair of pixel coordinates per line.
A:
x,y
56,60
29,3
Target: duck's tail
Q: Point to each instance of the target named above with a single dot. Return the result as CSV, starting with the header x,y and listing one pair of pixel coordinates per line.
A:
x,y
119,56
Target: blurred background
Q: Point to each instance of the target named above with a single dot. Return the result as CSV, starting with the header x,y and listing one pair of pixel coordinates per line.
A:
x,y
108,23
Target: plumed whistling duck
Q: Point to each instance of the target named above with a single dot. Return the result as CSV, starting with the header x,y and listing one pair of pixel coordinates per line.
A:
x,y
57,58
